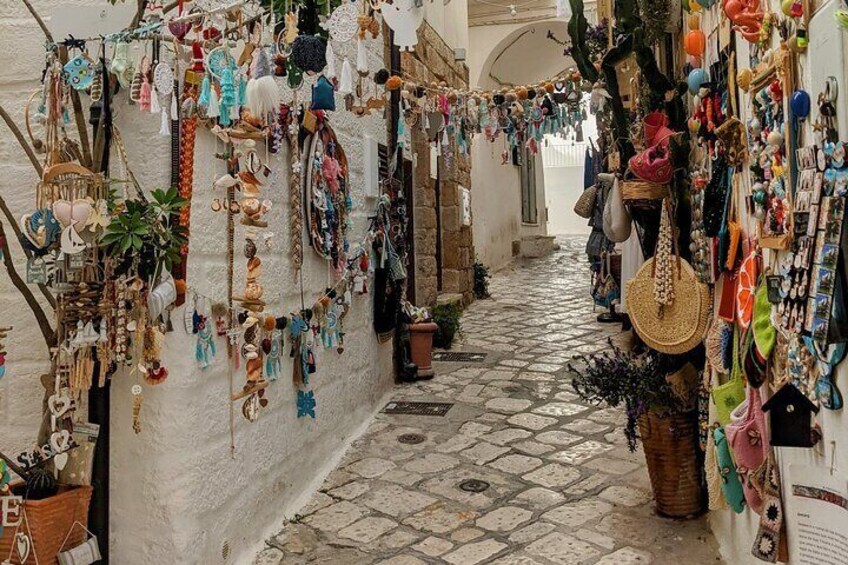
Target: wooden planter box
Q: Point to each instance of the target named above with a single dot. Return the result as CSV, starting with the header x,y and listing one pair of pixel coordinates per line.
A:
x,y
49,521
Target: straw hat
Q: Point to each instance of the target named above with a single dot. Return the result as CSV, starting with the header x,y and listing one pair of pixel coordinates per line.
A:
x,y
675,328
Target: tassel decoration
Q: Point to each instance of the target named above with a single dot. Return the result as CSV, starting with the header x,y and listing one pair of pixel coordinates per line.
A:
x,y
155,108
361,58
205,89
330,55
346,80
262,96
144,96
213,109
175,112
165,125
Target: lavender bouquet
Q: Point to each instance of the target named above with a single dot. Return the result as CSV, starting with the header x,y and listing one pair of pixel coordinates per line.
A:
x,y
616,377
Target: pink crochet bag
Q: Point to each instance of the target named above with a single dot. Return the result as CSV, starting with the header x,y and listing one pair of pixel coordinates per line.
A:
x,y
749,442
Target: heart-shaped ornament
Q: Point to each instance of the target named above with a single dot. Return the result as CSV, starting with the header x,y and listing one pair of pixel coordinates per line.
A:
x,y
59,404
74,213
23,546
60,460
60,441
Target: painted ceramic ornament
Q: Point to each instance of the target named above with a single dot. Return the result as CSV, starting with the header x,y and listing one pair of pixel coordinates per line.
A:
x,y
695,42
404,17
800,104
696,78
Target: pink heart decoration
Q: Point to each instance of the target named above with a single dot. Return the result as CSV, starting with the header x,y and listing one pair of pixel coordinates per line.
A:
x,y
76,213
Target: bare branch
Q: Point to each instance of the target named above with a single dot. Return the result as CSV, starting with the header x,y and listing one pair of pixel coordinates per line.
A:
x,y
139,13
40,22
22,140
40,316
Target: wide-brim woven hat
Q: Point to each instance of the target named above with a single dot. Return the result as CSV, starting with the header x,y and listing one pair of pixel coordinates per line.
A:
x,y
675,328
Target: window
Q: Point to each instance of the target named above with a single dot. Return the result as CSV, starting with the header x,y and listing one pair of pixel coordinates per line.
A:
x,y
528,187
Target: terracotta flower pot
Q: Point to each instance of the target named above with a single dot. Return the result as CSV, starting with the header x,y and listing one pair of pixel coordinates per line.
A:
x,y
421,343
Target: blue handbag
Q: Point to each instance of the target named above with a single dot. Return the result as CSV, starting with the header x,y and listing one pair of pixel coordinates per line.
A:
x,y
323,95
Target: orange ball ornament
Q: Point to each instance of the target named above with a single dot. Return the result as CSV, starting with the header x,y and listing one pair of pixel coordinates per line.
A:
x,y
695,43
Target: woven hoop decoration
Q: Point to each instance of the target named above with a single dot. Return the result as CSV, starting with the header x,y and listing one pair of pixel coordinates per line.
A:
x,y
642,190
672,329
671,452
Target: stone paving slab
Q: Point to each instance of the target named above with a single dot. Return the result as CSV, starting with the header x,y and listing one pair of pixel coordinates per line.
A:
x,y
561,486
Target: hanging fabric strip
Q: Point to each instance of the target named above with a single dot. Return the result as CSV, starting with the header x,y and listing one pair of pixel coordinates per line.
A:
x,y
185,183
295,201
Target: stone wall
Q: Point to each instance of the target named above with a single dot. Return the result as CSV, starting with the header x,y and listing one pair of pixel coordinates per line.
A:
x,y
433,61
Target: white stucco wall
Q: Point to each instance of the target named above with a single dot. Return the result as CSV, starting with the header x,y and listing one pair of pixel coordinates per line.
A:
x,y
735,533
563,186
177,492
450,20
495,203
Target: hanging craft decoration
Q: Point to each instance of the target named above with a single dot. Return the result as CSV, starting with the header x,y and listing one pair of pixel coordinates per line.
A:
x,y
343,23
404,17
327,193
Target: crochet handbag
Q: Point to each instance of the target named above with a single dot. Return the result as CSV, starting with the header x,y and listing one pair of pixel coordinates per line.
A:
x,y
748,439
730,484
731,394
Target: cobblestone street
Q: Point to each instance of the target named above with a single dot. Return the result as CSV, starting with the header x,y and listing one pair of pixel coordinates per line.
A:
x,y
557,482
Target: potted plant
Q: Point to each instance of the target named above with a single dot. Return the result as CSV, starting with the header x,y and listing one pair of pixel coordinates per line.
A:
x,y
46,514
421,329
659,394
446,317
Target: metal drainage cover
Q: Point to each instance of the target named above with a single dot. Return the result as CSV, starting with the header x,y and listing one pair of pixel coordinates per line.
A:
x,y
473,485
459,356
411,439
418,408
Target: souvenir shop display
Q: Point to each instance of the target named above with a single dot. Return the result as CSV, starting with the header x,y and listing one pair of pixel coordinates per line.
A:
x,y
715,190
730,174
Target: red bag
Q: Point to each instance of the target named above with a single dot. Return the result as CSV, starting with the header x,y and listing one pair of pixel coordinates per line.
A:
x,y
727,300
653,164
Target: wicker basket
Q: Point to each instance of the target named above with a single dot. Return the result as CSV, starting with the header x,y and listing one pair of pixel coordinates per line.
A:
x,y
674,462
49,522
636,190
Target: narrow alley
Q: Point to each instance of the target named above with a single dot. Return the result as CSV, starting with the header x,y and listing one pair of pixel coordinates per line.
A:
x,y
518,471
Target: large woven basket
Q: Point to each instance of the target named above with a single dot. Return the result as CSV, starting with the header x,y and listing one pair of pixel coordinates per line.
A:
x,y
674,462
636,190
49,521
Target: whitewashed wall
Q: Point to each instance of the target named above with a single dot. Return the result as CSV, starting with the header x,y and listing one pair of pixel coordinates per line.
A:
x,y
735,533
495,204
450,20
178,493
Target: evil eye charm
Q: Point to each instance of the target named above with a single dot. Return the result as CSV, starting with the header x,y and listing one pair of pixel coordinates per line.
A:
x,y
838,156
80,73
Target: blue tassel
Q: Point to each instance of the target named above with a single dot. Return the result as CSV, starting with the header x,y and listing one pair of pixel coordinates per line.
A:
x,y
205,89
242,95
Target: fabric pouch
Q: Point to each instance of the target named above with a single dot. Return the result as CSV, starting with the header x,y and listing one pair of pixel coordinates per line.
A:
x,y
730,484
748,439
732,393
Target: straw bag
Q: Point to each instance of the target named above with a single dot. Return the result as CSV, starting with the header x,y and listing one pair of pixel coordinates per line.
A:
x,y
634,190
731,394
585,204
680,322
